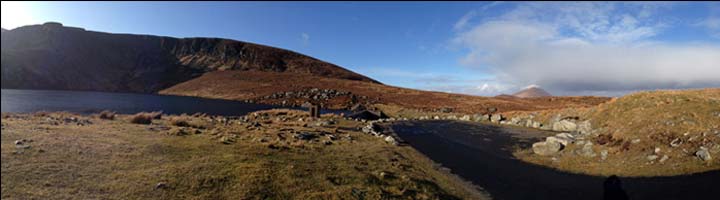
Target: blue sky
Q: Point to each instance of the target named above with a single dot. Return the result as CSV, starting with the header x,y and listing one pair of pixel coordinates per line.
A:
x,y
482,48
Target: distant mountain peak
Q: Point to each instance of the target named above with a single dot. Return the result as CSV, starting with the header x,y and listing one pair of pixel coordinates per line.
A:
x,y
531,86
532,91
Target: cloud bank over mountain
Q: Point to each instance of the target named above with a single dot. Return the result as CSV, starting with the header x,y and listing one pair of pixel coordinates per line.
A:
x,y
585,49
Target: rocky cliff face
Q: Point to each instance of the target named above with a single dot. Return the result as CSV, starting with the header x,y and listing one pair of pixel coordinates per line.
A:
x,y
52,56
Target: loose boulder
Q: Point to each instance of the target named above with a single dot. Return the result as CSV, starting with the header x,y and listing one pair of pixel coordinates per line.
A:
x,y
496,118
564,125
546,148
703,154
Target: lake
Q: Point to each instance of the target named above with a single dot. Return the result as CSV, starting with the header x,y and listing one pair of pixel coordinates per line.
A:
x,y
85,102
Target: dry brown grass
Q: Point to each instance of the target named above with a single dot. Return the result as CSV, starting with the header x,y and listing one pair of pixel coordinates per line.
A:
x,y
653,119
141,118
178,121
120,160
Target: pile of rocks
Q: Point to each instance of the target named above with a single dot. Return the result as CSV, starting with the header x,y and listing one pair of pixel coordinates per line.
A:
x,y
373,129
315,94
556,144
67,121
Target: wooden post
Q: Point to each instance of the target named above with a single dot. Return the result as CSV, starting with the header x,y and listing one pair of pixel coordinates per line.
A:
x,y
315,111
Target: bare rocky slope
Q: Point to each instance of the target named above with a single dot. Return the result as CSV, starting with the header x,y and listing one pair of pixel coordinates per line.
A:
x,y
53,56
532,92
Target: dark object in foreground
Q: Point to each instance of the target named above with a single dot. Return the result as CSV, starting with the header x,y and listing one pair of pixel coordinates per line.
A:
x,y
612,189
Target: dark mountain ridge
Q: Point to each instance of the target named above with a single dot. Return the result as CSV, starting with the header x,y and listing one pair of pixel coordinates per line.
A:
x,y
53,56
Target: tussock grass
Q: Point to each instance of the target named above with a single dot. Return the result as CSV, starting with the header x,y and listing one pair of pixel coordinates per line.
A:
x,y
106,114
141,118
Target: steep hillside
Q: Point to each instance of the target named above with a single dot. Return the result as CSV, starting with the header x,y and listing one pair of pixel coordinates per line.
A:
x,y
52,56
294,89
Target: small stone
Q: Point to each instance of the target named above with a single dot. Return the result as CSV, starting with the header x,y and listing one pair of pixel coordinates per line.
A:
x,y
20,142
635,141
676,142
664,158
587,150
327,142
651,157
657,150
161,185
603,154
385,175
391,140
332,137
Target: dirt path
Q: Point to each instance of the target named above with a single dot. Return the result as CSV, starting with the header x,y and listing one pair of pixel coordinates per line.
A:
x,y
482,154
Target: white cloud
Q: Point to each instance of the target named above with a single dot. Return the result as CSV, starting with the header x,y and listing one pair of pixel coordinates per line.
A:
x,y
586,48
305,38
465,19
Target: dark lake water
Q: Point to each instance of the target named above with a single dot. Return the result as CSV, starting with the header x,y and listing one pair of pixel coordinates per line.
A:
x,y
482,154
85,102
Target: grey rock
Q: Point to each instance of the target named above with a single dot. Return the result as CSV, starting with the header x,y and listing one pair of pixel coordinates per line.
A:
x,y
676,142
496,118
161,185
536,125
652,157
562,140
564,125
664,158
515,120
603,154
485,117
587,150
546,148
465,118
391,140
584,127
703,154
